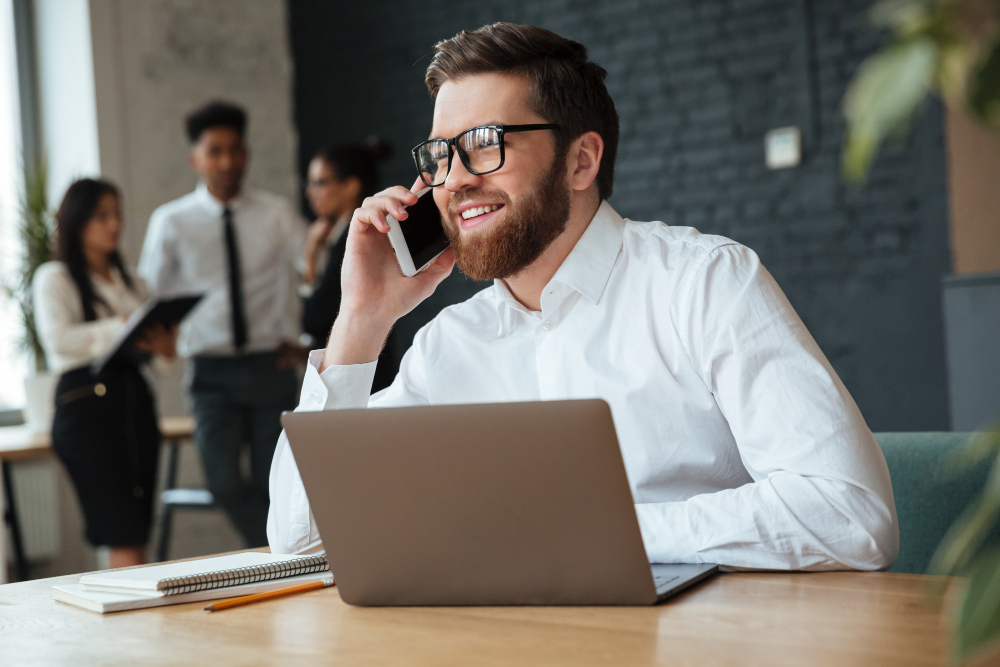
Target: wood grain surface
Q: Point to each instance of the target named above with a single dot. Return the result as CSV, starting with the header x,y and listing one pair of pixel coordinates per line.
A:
x,y
837,618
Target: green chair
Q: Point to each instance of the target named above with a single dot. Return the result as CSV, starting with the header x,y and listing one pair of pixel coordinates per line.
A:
x,y
929,496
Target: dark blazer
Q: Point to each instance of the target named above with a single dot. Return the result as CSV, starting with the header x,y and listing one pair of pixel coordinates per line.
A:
x,y
321,308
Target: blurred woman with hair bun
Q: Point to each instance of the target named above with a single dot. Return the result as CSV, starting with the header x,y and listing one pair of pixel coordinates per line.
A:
x,y
339,179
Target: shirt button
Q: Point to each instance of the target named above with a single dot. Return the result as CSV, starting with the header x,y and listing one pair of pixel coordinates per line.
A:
x,y
316,397
547,325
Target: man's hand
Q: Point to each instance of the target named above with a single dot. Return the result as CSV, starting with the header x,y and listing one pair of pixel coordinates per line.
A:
x,y
375,293
291,354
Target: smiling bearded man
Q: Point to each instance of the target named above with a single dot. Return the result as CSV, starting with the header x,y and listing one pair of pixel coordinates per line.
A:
x,y
741,444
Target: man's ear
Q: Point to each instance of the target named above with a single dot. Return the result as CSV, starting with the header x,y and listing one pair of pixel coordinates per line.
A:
x,y
584,160
192,160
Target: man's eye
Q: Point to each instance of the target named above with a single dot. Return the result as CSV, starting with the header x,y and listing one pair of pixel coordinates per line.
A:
x,y
480,145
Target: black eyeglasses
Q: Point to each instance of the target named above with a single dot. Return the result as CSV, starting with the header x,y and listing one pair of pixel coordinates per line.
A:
x,y
480,149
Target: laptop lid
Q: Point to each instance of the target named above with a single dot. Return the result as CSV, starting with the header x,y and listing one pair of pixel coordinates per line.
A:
x,y
484,504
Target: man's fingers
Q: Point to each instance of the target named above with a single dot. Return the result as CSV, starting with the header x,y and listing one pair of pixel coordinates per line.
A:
x,y
439,269
378,219
370,216
418,185
446,258
402,194
374,209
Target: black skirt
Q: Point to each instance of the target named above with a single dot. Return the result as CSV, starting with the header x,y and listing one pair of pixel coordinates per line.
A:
x,y
106,434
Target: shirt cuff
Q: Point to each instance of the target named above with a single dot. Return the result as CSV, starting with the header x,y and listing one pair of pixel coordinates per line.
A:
x,y
666,533
336,387
163,366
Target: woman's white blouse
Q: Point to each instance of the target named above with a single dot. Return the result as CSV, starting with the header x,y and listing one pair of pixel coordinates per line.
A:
x,y
70,342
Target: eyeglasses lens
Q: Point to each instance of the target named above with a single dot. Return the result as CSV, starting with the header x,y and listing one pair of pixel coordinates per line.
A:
x,y
480,148
482,145
432,158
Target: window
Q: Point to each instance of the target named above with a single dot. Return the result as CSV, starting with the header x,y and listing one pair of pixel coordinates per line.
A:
x,y
13,363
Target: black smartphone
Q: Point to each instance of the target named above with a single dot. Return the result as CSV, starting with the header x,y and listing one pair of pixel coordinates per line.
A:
x,y
418,240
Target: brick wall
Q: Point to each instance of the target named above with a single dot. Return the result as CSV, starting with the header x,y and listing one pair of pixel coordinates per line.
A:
x,y
697,83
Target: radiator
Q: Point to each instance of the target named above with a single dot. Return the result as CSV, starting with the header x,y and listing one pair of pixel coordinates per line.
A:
x,y
36,493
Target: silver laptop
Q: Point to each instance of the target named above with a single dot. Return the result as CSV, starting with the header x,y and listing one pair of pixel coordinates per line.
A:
x,y
484,504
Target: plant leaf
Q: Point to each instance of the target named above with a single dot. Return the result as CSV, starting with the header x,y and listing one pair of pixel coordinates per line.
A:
x,y
967,533
984,93
882,98
36,231
900,14
982,445
978,622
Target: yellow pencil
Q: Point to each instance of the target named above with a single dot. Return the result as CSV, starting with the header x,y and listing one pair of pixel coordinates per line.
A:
x,y
257,597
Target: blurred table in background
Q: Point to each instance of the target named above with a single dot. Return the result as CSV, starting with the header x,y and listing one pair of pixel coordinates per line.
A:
x,y
21,443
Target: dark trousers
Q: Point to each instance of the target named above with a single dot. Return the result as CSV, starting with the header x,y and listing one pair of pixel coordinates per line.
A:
x,y
237,401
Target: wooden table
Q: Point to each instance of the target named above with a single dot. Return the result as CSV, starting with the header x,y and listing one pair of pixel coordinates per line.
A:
x,y
21,443
837,619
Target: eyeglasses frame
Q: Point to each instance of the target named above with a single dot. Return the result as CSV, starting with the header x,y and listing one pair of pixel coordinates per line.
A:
x,y
453,147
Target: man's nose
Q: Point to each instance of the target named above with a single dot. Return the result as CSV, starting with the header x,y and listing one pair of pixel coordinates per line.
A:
x,y
460,178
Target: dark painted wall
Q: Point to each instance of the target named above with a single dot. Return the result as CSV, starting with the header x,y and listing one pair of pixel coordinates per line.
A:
x,y
697,83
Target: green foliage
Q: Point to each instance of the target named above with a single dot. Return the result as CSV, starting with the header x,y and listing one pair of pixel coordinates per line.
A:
x,y
984,100
36,234
978,621
947,47
962,552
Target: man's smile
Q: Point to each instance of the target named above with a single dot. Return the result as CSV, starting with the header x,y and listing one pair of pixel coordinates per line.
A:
x,y
474,214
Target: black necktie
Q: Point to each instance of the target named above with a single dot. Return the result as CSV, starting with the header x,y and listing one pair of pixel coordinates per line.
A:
x,y
235,283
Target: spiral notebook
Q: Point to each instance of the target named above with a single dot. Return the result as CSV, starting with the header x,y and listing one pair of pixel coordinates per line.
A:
x,y
206,573
107,600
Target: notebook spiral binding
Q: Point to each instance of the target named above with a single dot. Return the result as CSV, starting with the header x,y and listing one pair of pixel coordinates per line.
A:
x,y
243,575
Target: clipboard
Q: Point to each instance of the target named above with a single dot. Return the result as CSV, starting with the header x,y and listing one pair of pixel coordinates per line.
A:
x,y
166,311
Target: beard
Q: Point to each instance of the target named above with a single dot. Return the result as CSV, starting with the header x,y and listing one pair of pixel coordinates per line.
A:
x,y
531,223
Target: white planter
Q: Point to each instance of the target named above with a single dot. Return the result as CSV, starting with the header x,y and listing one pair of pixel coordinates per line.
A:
x,y
40,406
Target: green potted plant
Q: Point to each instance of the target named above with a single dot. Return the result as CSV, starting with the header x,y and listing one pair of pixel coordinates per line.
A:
x,y
36,230
950,48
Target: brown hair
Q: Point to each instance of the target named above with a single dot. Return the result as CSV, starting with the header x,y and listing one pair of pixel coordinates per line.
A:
x,y
566,88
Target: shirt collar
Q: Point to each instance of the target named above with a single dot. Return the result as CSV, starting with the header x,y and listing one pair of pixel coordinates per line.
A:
x,y
215,206
586,269
588,266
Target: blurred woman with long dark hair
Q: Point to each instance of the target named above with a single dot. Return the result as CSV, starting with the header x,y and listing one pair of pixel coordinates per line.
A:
x,y
105,428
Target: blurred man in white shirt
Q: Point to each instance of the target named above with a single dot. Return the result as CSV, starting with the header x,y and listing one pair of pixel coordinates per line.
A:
x,y
741,444
238,247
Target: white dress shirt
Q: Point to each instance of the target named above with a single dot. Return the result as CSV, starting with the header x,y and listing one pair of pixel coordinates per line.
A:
x,y
70,342
185,251
741,444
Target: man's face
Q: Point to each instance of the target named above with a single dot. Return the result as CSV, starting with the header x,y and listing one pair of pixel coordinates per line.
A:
x,y
530,192
220,159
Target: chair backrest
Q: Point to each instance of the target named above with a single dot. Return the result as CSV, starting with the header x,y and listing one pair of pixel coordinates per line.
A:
x,y
929,495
